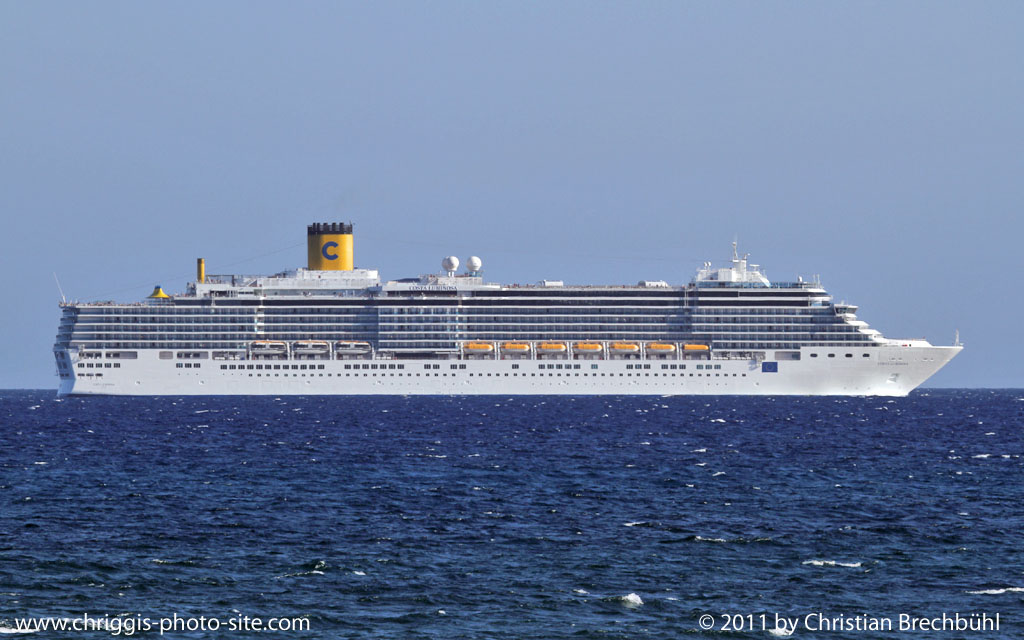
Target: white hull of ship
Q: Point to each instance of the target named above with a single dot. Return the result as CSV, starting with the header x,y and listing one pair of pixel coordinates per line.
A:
x,y
886,371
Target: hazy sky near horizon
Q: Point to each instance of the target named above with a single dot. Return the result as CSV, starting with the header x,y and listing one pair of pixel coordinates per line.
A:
x,y
876,144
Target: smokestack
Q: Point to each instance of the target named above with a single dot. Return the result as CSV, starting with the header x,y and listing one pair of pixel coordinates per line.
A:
x,y
329,246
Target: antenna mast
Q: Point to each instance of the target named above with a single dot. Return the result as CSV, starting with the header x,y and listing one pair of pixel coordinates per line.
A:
x,y
59,290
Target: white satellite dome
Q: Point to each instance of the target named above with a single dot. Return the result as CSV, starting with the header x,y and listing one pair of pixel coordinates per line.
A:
x,y
474,263
451,263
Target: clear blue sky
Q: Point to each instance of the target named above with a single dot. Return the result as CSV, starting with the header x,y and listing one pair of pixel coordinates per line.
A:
x,y
876,144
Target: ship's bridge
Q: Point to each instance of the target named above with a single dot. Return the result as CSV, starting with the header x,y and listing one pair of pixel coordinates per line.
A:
x,y
739,273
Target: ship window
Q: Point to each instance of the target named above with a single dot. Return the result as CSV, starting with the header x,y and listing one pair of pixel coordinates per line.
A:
x,y
718,366
319,366
593,366
179,365
814,355
117,365
849,355
249,366
867,355
515,366
166,355
629,366
831,355
223,366
278,367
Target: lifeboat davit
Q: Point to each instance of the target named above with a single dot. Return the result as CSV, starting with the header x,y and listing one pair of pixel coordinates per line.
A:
x,y
588,347
311,347
695,347
551,347
660,348
268,348
624,347
515,347
478,347
352,348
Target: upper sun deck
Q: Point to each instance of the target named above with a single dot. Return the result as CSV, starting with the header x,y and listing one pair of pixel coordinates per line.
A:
x,y
366,283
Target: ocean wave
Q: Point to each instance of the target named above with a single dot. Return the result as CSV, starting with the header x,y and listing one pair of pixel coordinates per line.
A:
x,y
832,563
630,600
996,592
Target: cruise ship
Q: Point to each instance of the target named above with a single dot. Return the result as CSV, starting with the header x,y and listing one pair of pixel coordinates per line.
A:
x,y
333,329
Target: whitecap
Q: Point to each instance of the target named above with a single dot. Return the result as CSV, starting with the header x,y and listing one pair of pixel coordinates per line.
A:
x,y
703,539
779,631
359,573
40,463
634,524
983,455
582,592
631,600
699,451
831,563
995,592
13,630
717,420
718,473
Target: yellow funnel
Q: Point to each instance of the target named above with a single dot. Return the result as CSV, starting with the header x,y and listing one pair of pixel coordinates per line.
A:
x,y
329,246
158,293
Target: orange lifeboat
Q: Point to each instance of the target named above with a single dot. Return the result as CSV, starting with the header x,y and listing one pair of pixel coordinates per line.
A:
x,y
696,347
551,347
478,347
515,347
624,348
588,347
660,348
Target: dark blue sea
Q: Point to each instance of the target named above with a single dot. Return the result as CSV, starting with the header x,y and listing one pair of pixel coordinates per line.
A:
x,y
535,517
